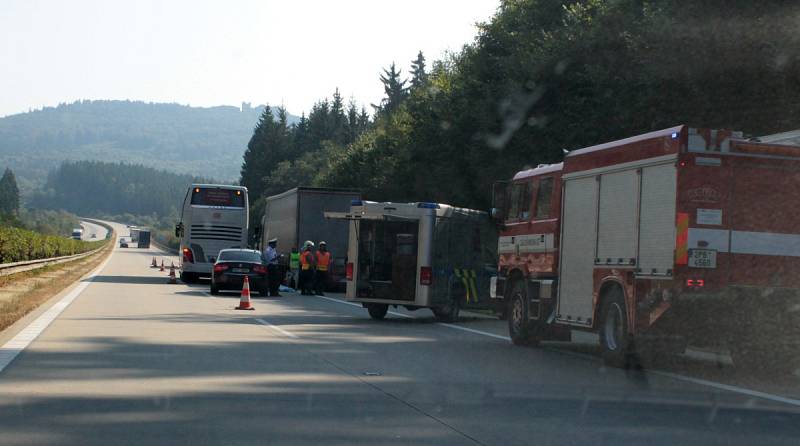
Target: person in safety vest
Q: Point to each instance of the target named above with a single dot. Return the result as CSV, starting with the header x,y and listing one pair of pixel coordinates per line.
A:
x,y
294,265
323,258
307,269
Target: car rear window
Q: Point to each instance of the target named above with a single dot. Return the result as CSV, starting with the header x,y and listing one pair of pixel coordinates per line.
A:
x,y
240,256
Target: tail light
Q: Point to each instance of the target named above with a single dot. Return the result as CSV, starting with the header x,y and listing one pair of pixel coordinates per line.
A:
x,y
188,256
695,283
261,269
220,267
348,271
425,275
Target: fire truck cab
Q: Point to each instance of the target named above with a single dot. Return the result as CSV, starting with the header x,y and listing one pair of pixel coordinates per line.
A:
x,y
675,236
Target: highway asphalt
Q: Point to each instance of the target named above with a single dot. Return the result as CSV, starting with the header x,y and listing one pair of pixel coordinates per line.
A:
x,y
135,360
92,228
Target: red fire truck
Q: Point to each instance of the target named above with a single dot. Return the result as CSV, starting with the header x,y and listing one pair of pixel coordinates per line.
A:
x,y
675,236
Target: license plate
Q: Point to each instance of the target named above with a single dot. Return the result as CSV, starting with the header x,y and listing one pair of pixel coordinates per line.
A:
x,y
702,258
240,270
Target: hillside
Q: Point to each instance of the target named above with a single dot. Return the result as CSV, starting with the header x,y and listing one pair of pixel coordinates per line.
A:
x,y
193,140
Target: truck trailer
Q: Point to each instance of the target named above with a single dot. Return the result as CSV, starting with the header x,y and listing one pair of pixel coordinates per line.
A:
x,y
672,237
419,255
297,215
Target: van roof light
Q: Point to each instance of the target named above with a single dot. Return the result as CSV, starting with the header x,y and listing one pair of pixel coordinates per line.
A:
x,y
428,205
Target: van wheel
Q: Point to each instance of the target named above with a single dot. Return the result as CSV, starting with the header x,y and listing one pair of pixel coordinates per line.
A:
x,y
447,313
520,329
615,340
377,311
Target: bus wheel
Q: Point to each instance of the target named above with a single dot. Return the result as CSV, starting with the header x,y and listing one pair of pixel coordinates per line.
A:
x,y
377,311
447,313
520,328
615,340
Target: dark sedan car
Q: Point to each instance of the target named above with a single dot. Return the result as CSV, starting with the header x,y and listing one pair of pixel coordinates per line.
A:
x,y
233,265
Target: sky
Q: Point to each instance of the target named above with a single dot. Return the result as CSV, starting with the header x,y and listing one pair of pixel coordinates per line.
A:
x,y
206,53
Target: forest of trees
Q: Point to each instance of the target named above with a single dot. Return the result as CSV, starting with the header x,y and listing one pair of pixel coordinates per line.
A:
x,y
540,77
93,188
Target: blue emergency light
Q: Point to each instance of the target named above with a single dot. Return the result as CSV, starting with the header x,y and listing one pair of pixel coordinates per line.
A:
x,y
356,203
428,205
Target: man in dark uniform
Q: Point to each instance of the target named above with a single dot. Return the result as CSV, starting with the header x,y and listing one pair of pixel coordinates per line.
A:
x,y
273,267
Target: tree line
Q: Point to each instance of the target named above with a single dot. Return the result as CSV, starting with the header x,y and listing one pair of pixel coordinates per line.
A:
x,y
542,76
100,188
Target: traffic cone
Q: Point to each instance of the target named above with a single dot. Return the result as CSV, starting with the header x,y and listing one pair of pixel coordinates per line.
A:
x,y
162,266
154,264
244,301
172,279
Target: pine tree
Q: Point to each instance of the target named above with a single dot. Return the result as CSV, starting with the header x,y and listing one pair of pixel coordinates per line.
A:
x,y
353,129
254,166
418,74
9,193
394,88
338,120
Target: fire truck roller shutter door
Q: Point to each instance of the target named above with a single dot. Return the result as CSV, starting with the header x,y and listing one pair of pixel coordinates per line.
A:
x,y
578,245
657,220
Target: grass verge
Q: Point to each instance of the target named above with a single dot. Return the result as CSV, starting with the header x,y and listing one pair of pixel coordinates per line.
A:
x,y
25,291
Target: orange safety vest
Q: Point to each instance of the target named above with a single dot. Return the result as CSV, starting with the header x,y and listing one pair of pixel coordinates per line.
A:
x,y
305,260
323,260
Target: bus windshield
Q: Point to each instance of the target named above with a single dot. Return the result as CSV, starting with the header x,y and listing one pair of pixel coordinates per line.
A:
x,y
217,197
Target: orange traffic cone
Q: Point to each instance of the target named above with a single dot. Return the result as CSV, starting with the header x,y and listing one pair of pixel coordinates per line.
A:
x,y
172,279
154,264
244,301
162,265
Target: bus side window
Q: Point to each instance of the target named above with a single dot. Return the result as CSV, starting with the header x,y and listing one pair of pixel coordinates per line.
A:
x,y
544,198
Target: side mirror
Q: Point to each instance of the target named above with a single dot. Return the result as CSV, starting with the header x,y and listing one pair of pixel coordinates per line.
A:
x,y
499,200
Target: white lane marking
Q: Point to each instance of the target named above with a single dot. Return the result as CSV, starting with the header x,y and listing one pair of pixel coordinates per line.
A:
x,y
15,346
472,330
339,301
728,387
702,382
276,328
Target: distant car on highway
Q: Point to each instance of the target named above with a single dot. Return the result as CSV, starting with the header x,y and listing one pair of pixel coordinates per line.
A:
x,y
123,243
233,265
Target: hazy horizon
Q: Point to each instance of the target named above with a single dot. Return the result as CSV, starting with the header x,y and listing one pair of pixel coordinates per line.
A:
x,y
208,53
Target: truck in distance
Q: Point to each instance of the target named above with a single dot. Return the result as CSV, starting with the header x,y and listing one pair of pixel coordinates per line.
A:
x,y
419,255
297,215
672,237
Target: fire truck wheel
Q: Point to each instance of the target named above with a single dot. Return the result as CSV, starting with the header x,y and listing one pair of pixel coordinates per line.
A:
x,y
615,340
520,328
377,311
447,313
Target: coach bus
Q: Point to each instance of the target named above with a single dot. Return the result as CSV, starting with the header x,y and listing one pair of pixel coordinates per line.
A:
x,y
213,217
